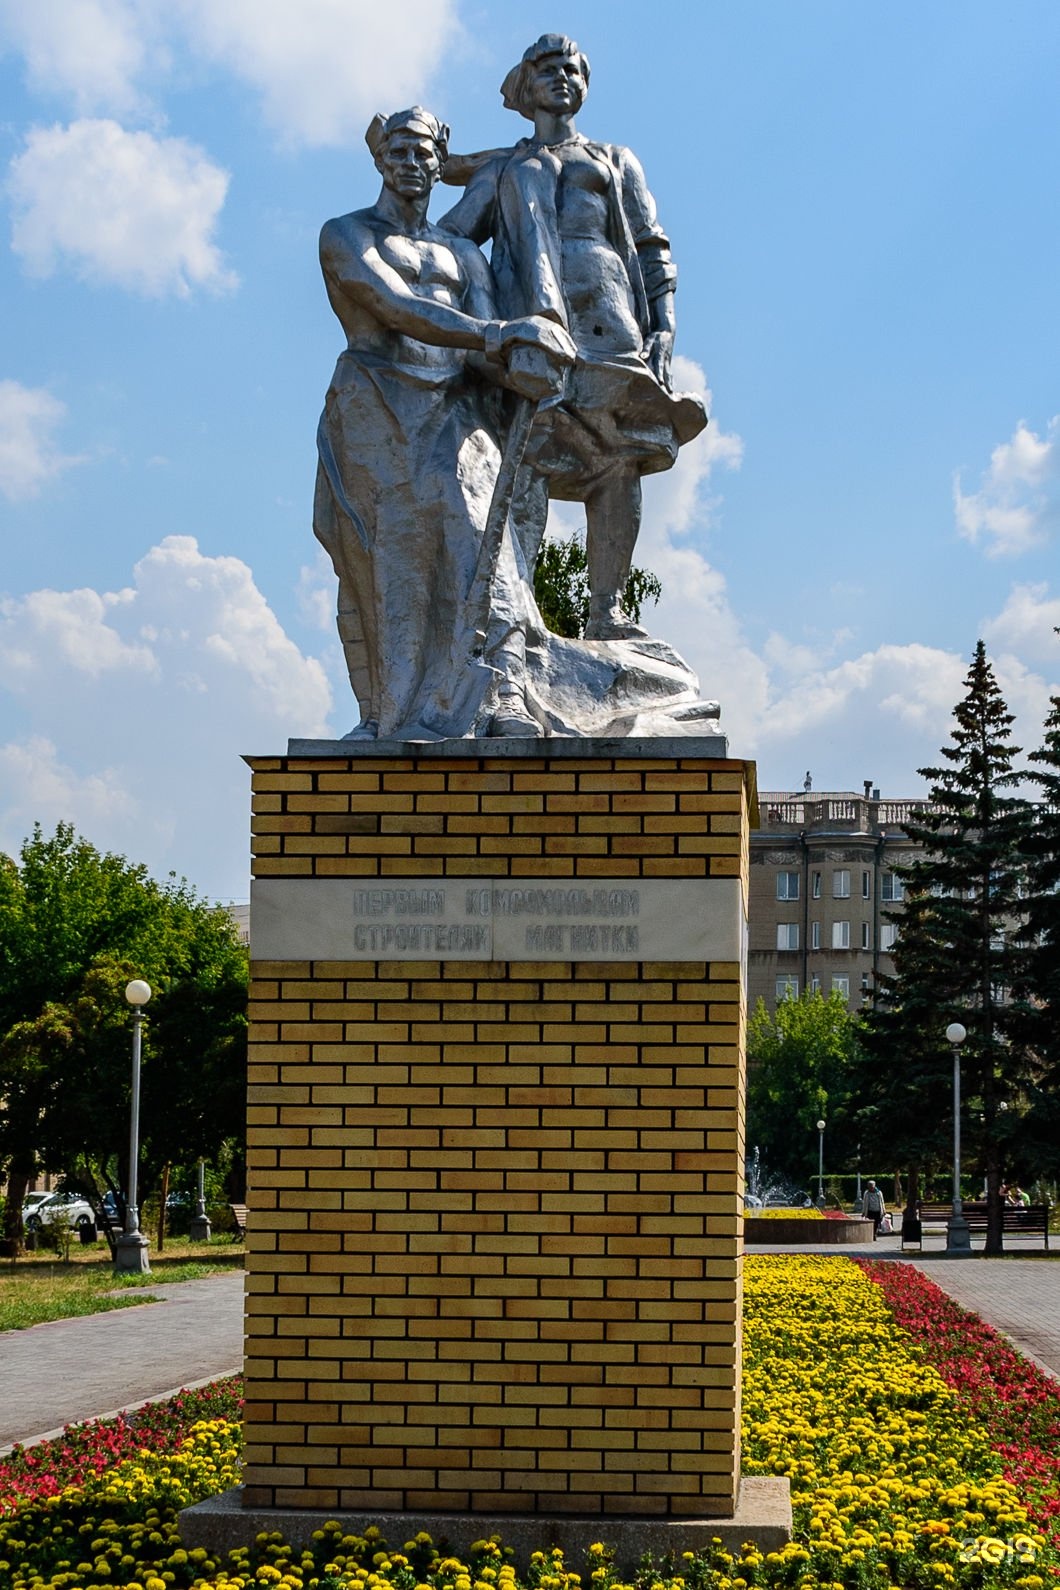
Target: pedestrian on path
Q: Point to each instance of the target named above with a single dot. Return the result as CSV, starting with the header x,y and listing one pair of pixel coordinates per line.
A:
x,y
873,1208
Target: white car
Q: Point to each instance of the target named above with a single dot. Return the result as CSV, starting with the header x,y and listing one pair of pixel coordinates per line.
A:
x,y
54,1209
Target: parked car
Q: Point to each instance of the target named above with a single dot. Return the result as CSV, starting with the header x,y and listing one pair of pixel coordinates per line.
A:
x,y
56,1209
114,1215
31,1202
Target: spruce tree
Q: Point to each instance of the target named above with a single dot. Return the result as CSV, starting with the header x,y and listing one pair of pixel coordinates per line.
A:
x,y
959,956
1041,1132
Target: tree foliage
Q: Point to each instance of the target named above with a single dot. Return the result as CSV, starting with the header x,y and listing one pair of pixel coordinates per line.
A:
x,y
75,926
1041,1009
561,587
959,955
801,1063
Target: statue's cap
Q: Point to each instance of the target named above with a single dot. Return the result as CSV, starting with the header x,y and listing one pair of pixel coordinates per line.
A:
x,y
415,119
515,85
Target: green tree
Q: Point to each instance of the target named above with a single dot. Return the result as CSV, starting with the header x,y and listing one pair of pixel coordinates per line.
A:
x,y
958,956
800,1064
561,587
1040,1134
75,926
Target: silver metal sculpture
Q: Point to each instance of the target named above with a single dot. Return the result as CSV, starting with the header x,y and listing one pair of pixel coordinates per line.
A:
x,y
576,239
467,394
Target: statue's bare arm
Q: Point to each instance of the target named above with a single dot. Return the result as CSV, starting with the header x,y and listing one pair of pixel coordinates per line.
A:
x,y
356,273
473,215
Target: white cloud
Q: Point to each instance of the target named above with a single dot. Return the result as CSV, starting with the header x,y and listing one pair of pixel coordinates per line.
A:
x,y
118,207
323,67
1027,624
1016,504
29,418
316,593
87,51
320,69
208,612
36,786
152,692
68,629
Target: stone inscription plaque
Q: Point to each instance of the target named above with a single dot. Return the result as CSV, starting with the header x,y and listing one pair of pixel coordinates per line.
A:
x,y
494,919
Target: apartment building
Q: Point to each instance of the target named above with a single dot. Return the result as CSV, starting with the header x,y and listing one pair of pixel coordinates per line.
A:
x,y
822,879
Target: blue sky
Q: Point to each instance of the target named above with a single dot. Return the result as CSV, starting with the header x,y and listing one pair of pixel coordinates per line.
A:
x,y
862,205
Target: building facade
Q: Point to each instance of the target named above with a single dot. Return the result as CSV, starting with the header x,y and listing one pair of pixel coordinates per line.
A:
x,y
823,881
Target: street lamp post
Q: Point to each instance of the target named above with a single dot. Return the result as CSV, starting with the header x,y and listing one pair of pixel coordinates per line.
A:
x,y
958,1239
200,1225
130,1254
820,1163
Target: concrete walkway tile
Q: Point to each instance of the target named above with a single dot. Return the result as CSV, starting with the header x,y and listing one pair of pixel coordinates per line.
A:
x,y
74,1369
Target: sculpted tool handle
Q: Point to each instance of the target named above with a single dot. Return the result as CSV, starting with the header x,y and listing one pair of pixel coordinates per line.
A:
x,y
479,594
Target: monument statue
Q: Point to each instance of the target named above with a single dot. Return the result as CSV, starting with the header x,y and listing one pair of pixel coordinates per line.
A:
x,y
467,394
575,238
407,442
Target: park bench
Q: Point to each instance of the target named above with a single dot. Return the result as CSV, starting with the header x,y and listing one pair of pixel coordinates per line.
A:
x,y
1025,1220
239,1215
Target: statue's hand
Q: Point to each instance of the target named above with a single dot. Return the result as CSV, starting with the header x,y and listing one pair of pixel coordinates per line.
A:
x,y
658,351
537,353
537,332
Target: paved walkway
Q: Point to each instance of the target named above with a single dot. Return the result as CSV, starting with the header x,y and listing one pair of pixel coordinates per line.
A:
x,y
73,1369
1020,1297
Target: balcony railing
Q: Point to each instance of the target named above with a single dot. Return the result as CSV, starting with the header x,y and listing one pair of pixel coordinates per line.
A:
x,y
851,811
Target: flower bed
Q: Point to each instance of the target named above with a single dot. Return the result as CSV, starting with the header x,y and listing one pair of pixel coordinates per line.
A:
x,y
1018,1405
892,1486
84,1450
783,1213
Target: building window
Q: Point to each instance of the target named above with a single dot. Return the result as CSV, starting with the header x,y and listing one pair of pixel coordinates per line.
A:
x,y
864,984
787,886
866,884
815,885
888,935
865,944
815,985
787,935
841,883
787,988
893,887
815,935
840,935
841,985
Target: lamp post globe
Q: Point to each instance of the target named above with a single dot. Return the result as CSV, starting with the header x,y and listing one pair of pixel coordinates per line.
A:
x,y
958,1237
130,1252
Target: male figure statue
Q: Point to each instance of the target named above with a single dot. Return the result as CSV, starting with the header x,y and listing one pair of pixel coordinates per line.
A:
x,y
575,239
409,451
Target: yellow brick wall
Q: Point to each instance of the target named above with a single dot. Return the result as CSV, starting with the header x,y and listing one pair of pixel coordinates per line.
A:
x,y
494,1236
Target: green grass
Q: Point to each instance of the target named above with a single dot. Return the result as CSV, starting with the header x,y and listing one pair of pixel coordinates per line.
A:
x,y
41,1287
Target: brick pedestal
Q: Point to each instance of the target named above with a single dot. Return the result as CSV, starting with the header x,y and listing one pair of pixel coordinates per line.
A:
x,y
494,1233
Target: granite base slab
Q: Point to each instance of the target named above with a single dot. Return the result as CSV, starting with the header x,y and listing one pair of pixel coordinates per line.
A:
x,y
701,740
763,1514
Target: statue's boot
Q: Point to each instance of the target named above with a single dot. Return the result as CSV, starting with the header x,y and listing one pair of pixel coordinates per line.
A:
x,y
609,621
512,719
